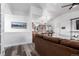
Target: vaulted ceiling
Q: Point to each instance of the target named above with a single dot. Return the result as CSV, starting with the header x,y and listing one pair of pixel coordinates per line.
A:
x,y
41,11
50,11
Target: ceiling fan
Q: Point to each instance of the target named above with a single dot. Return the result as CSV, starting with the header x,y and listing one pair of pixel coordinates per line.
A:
x,y
71,5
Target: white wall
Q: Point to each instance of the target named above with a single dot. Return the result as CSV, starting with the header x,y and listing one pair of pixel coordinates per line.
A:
x,y
12,37
63,21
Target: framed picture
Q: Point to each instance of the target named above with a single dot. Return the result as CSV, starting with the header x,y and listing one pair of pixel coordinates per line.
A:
x,y
19,25
63,27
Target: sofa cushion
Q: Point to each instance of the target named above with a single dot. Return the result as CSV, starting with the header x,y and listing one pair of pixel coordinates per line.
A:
x,y
52,39
70,43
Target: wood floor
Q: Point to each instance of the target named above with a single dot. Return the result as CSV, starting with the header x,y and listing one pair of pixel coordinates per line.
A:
x,y
21,50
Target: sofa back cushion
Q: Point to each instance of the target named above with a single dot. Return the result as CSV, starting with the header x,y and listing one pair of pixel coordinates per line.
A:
x,y
70,43
52,39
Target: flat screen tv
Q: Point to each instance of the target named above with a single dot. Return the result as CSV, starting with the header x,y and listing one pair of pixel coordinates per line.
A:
x,y
77,24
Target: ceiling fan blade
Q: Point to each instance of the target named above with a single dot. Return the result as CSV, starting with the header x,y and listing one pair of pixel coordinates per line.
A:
x,y
75,3
66,5
70,7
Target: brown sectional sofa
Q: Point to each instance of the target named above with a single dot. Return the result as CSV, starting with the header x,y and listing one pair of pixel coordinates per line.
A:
x,y
52,46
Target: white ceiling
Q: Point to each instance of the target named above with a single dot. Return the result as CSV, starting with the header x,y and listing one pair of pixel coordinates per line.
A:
x,y
56,10
44,11
20,8
53,10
